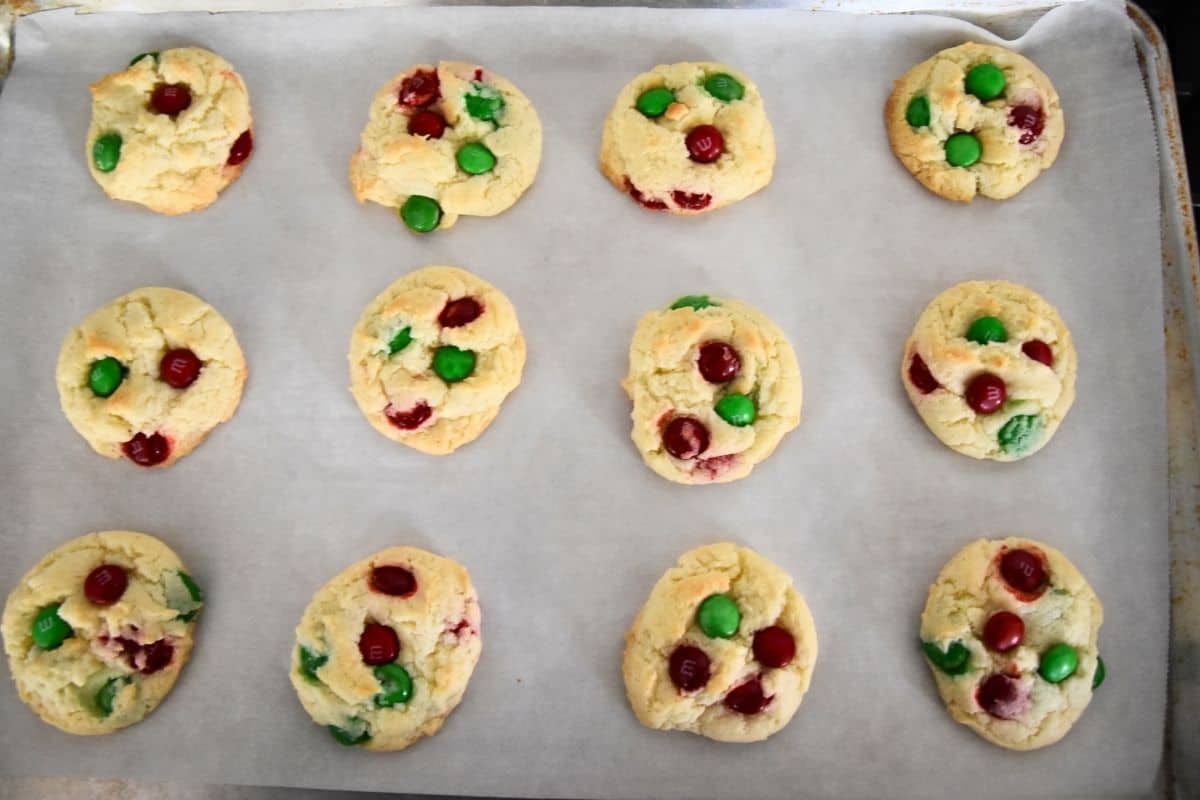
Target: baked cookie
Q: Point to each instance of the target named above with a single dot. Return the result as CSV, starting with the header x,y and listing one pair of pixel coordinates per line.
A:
x,y
688,138
447,140
170,131
98,631
724,647
385,649
975,119
1009,631
715,386
991,369
433,356
149,375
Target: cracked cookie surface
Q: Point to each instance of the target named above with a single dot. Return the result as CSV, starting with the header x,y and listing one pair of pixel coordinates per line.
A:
x,y
433,357
1010,632
990,368
97,632
724,647
170,131
688,138
715,386
385,649
975,119
149,375
444,141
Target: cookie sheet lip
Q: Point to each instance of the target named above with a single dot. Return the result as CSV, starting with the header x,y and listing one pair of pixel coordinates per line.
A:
x,y
138,329
1064,611
939,366
656,160
427,605
1019,133
120,659
421,126
694,428
730,693
433,357
170,163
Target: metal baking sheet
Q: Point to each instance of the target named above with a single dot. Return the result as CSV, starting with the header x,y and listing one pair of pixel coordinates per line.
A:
x,y
861,505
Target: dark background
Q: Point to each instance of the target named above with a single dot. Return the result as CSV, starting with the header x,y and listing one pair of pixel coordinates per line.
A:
x,y
1179,21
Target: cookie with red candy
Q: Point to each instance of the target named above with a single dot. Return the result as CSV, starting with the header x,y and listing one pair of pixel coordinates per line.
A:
x,y
724,647
1010,633
99,630
385,649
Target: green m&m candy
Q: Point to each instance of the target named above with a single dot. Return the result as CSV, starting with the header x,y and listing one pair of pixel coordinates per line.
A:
x,y
475,159
696,301
395,685
106,152
105,376
310,662
1019,433
736,409
183,595
352,733
483,102
152,54
420,213
917,113
963,149
653,102
986,330
718,616
452,364
108,694
49,630
954,661
1098,675
724,86
985,81
401,340
1058,663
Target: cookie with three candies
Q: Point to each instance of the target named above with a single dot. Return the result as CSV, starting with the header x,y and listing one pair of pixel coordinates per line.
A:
x,y
1009,631
688,138
433,356
445,141
97,633
991,369
975,119
149,375
724,647
170,131
385,650
715,386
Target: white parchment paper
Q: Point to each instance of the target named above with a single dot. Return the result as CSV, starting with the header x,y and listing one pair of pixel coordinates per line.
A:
x,y
563,529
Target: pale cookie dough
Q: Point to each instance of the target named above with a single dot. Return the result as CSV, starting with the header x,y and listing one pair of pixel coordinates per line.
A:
x,y
1021,685
742,684
1019,131
944,371
415,616
411,157
433,356
148,420
97,633
172,162
649,157
715,386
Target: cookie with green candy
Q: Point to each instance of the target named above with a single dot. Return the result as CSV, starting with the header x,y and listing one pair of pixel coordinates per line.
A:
x,y
973,120
98,631
444,141
990,368
1010,632
386,648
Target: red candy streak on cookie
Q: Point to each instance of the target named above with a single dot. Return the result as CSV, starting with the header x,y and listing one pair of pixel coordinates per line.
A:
x,y
411,419
641,199
147,451
478,74
420,89
241,149
715,467
1039,351
691,201
920,376
1029,119
393,580
748,698
145,658
1002,697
